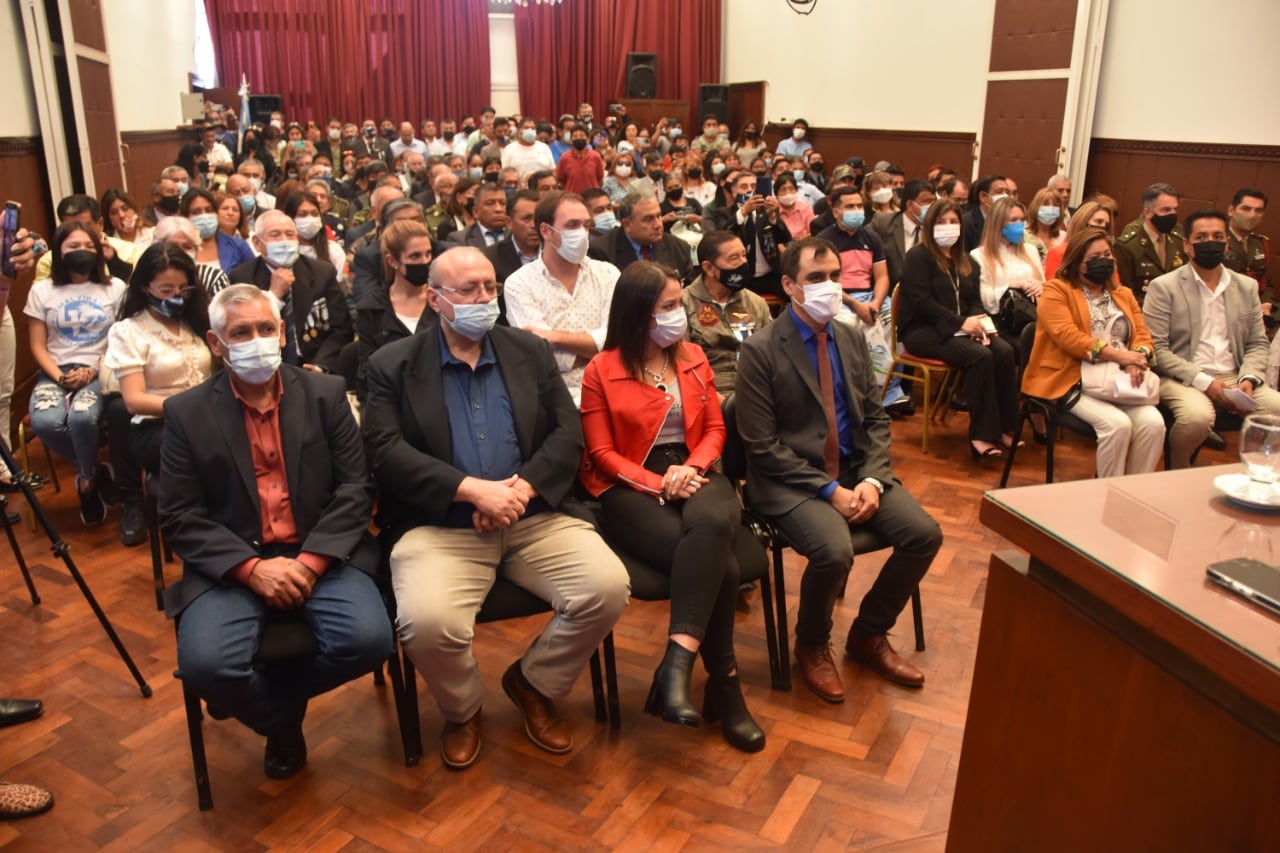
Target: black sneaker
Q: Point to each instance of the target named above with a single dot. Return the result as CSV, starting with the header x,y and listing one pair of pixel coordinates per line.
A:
x,y
92,509
105,483
133,524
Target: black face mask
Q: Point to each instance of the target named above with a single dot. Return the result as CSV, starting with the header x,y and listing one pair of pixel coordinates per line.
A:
x,y
388,133
447,136
735,278
370,133
491,177
80,261
676,194
816,167
751,134
695,173
655,175
470,205
1165,223
416,274
580,144
1209,254
468,129
169,204
1099,270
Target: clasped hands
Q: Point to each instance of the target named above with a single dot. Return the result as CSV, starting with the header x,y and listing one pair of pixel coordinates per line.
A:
x,y
1134,364
498,503
857,504
282,582
681,482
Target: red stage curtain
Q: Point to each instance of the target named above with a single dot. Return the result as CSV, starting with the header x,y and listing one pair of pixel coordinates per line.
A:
x,y
356,59
577,51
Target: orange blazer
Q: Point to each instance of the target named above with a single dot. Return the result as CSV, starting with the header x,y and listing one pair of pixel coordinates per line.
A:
x,y
621,417
1064,338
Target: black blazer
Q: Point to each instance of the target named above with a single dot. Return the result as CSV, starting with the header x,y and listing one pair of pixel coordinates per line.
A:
x,y
892,228
472,235
504,258
927,296
376,326
407,429
321,319
209,493
615,248
974,222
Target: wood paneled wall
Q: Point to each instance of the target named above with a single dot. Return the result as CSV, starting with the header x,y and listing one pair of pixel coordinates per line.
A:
x,y
26,181
146,153
914,151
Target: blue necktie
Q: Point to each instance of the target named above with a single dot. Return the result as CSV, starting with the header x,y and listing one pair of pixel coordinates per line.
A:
x,y
492,236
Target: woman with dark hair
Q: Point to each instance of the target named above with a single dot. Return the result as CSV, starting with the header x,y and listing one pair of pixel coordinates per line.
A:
x,y
940,315
232,220
749,145
400,308
313,237
216,248
653,429
459,209
195,160
71,312
1084,315
120,218
157,345
794,212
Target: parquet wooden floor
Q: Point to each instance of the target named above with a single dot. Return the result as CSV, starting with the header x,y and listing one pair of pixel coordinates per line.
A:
x,y
877,772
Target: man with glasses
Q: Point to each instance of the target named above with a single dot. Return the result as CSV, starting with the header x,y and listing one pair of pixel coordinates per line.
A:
x,y
482,489
563,297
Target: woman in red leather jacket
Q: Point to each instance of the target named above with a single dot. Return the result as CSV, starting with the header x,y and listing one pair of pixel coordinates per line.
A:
x,y
653,429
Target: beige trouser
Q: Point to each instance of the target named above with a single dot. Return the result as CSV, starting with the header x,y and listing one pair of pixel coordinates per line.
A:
x,y
1130,438
1193,415
441,576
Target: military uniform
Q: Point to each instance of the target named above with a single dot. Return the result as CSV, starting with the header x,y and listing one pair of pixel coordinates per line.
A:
x,y
1138,261
709,327
1250,257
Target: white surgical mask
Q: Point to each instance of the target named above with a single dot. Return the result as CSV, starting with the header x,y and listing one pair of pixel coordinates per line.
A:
x,y
998,196
255,184
308,226
573,245
798,132
254,361
821,301
882,195
671,327
622,170
787,200
946,234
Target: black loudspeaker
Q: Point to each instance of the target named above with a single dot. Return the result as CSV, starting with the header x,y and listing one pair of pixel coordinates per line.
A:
x,y
642,75
262,106
713,99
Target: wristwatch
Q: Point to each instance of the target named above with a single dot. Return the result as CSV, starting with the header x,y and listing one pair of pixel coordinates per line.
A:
x,y
873,481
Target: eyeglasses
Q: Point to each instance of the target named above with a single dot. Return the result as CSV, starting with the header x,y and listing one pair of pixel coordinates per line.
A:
x,y
491,289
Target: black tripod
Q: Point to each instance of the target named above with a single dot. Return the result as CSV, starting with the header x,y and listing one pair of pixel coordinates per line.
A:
x,y
63,551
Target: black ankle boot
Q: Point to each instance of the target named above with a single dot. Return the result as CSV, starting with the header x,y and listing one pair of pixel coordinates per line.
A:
x,y
723,701
669,695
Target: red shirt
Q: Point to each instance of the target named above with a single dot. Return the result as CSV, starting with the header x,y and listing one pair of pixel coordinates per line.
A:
x,y
578,172
262,429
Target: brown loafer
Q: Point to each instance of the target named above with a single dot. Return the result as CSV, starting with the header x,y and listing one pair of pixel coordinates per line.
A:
x,y
874,651
460,743
18,800
541,722
817,668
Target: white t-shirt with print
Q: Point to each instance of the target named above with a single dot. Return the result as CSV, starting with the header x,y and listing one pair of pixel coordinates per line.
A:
x,y
76,317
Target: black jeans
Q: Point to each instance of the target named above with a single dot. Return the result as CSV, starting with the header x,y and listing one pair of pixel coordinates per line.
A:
x,y
127,473
692,541
144,444
817,531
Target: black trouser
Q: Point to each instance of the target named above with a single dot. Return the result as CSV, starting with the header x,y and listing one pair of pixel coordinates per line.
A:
x,y
127,471
816,530
769,284
990,378
692,540
144,444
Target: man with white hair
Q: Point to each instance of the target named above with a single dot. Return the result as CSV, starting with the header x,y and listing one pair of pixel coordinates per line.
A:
x,y
179,231
1061,186
306,290
265,494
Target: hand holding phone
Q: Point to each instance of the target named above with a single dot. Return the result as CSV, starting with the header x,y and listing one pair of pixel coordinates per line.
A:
x,y
988,325
10,222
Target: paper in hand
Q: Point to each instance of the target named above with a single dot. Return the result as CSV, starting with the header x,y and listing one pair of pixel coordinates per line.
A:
x,y
1241,400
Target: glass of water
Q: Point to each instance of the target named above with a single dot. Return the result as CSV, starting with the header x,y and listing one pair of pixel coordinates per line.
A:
x,y
1260,450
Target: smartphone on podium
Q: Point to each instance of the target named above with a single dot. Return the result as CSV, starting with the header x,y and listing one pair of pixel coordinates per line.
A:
x,y
1250,579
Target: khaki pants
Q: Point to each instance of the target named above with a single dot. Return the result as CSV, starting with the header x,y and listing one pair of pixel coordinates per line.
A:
x,y
441,576
1193,415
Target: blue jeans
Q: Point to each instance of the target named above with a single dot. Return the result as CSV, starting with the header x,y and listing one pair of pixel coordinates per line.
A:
x,y
218,638
67,422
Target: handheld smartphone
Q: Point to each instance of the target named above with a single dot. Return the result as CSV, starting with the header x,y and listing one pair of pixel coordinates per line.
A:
x,y
764,186
1250,579
988,325
10,222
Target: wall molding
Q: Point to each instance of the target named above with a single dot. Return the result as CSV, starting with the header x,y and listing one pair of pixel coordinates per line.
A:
x,y
141,137
20,146
1212,150
780,130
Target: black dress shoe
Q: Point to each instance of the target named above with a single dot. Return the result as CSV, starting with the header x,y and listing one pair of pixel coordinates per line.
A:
x,y
12,517
1214,441
14,711
133,524
902,409
286,753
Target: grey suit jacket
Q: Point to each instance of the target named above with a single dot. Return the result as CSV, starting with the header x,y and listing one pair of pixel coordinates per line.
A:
x,y
892,230
1174,315
782,422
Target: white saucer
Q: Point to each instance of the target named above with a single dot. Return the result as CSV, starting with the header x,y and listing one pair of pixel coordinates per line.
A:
x,y
1240,490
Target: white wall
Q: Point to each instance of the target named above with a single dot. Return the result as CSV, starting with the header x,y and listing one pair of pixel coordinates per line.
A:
x,y
855,64
1190,71
151,46
17,100
504,77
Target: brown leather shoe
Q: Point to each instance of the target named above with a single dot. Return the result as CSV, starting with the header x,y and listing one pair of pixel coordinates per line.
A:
x,y
874,651
817,666
460,743
541,723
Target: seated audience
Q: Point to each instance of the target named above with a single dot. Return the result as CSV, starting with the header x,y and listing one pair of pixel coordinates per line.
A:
x,y
794,213
642,238
1201,354
877,191
520,248
675,208
218,249
397,309
620,174
817,443
654,430
722,311
1046,222
989,189
490,225
1248,251
939,316
265,495
459,208
900,231
603,219
313,238
232,220
121,219
70,314
1006,261
1091,214
1084,315
457,511
756,220
1151,245
117,255
178,231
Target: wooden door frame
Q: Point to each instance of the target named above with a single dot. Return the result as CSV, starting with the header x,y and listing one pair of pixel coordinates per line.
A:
x,y
44,82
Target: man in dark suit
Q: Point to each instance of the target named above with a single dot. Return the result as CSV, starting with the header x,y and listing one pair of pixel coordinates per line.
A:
x,y
988,190
817,439
900,230
476,444
370,144
642,237
265,494
522,245
490,227
307,291
754,218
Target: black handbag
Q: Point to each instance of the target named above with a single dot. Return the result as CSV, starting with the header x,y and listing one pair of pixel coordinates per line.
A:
x,y
1016,311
